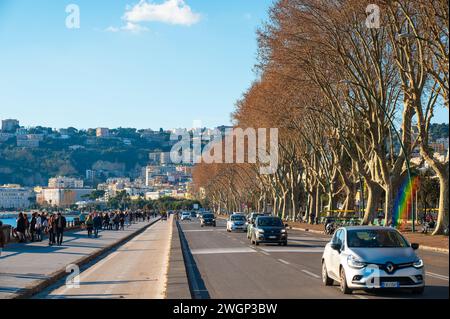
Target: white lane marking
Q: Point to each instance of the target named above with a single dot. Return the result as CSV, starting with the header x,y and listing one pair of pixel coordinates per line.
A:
x,y
284,261
360,297
310,273
264,253
212,251
292,250
309,239
442,277
201,230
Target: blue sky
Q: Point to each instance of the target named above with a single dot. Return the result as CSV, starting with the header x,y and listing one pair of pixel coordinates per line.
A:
x,y
191,65
169,74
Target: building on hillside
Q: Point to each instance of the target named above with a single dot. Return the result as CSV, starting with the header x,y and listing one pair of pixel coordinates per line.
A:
x,y
65,182
102,132
10,125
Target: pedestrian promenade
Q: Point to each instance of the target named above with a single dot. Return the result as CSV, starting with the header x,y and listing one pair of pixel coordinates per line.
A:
x,y
135,270
24,268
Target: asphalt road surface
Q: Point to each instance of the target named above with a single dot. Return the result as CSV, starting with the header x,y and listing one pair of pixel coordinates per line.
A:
x,y
231,268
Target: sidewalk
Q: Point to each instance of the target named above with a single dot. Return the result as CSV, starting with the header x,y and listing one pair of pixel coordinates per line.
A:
x,y
27,268
135,270
426,242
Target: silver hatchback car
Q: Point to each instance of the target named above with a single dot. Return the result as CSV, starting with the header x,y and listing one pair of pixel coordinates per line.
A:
x,y
363,258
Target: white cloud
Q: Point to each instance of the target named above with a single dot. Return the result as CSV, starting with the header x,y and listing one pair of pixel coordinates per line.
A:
x,y
129,26
170,11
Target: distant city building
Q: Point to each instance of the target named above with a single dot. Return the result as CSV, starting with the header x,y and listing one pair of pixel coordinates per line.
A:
x,y
5,136
15,197
29,140
165,158
65,182
102,132
62,197
10,125
91,175
152,195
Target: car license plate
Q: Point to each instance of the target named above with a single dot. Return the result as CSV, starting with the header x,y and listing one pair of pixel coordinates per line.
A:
x,y
390,285
273,237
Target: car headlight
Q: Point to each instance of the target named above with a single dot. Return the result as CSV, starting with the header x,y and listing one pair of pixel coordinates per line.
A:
x,y
354,262
418,263
283,231
261,231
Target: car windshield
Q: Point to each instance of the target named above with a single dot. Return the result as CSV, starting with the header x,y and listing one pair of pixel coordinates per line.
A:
x,y
375,238
270,221
208,216
239,218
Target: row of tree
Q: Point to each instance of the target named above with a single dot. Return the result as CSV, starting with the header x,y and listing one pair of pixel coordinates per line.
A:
x,y
352,101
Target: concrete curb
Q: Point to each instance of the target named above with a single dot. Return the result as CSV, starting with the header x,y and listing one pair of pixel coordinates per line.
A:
x,y
196,285
309,230
30,291
177,281
435,249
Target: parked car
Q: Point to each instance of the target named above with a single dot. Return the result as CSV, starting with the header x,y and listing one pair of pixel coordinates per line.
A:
x,y
208,219
193,215
199,214
185,216
269,229
236,222
372,258
250,221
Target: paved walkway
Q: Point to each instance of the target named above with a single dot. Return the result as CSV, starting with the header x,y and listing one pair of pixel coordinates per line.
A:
x,y
25,267
136,270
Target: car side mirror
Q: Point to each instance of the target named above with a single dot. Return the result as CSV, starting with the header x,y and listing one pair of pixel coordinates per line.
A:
x,y
336,246
415,246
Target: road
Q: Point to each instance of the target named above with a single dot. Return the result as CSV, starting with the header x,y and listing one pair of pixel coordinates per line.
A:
x,y
136,270
231,268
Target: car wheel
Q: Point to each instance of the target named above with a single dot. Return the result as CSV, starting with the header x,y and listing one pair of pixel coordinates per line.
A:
x,y
327,281
418,291
343,284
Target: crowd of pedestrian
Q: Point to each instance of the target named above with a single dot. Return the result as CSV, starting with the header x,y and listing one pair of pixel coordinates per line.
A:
x,y
40,224
114,221
53,225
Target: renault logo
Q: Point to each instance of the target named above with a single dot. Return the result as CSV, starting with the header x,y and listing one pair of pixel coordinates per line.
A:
x,y
390,267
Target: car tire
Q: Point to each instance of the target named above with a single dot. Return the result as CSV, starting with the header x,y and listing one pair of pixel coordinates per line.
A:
x,y
418,291
327,281
343,283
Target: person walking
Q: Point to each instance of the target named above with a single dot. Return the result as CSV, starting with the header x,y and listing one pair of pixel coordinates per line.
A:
x,y
122,221
89,225
116,221
33,227
97,224
51,230
20,228
27,228
61,224
38,227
